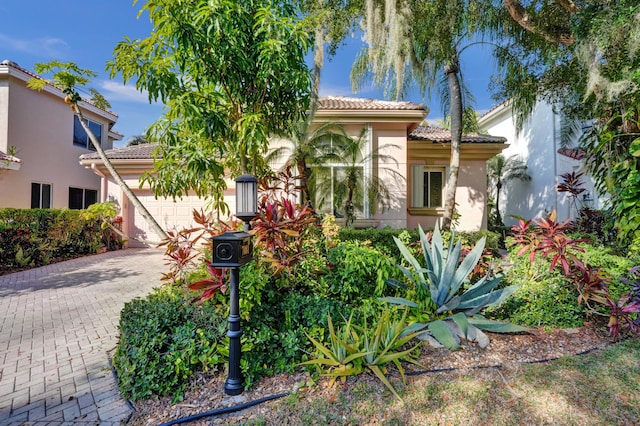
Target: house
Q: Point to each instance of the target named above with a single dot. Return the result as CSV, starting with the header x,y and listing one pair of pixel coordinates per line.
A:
x,y
40,142
421,156
538,143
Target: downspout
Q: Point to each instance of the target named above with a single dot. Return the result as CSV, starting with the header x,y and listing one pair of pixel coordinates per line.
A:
x,y
368,167
555,162
103,182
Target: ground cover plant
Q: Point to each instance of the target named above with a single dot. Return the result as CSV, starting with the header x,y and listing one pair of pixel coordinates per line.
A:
x,y
333,312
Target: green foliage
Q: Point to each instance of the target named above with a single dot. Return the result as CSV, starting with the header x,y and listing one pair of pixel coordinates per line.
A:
x,y
441,284
352,349
357,272
544,298
275,336
34,237
230,74
383,239
163,341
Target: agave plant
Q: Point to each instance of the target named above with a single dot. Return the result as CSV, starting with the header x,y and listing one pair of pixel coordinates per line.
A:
x,y
457,312
353,349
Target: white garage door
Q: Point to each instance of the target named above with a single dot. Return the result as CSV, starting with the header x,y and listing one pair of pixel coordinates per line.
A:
x,y
169,214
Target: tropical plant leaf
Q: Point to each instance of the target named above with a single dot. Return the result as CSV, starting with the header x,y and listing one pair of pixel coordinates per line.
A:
x,y
376,370
461,321
399,301
442,333
496,326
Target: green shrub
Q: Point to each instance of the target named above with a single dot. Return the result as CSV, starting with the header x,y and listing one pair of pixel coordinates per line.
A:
x,y
545,298
274,337
382,239
164,340
357,272
34,237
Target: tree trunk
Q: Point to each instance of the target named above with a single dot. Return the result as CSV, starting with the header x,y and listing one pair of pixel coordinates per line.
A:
x,y
455,111
498,215
318,63
116,176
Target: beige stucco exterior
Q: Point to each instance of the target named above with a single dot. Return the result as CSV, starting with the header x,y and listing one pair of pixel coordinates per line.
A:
x,y
39,125
387,131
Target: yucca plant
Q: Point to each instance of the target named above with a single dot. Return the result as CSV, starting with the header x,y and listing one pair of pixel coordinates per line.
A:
x,y
354,349
342,357
457,312
384,343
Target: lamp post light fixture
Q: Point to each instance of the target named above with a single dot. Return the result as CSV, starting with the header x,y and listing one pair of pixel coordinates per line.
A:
x,y
232,250
246,199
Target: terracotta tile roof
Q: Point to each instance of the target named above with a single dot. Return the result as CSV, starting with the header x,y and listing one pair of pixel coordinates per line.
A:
x,y
134,152
577,154
438,134
347,103
10,64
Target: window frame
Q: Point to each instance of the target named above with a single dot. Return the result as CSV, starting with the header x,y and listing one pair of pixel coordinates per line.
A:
x,y
85,202
41,195
79,133
418,206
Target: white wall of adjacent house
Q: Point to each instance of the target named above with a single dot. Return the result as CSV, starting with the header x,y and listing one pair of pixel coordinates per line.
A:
x,y
40,127
537,143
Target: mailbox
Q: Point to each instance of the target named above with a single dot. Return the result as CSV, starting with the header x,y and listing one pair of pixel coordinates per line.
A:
x,y
232,249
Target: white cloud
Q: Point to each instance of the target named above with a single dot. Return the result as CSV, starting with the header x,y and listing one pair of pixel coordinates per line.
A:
x,y
44,46
116,91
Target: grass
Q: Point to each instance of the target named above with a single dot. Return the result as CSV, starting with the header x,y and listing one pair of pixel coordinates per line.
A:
x,y
594,389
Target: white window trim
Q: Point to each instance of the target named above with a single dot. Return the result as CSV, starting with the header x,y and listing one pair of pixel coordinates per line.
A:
x,y
417,190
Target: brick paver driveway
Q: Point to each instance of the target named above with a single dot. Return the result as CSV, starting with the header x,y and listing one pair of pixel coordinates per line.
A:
x,y
58,324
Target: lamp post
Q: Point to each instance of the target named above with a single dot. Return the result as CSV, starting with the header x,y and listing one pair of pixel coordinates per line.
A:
x,y
232,250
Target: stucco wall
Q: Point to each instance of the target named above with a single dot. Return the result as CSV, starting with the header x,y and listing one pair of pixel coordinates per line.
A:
x,y
537,144
470,198
40,126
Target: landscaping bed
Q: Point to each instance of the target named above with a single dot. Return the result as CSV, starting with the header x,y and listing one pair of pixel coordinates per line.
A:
x,y
509,351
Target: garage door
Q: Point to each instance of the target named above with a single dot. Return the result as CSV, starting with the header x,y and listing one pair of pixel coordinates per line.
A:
x,y
169,214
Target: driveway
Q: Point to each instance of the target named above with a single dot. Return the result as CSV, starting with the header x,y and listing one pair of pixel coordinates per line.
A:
x,y
58,325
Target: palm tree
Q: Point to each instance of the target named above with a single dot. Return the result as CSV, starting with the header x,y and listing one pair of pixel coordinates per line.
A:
x,y
349,185
307,149
500,171
414,42
69,77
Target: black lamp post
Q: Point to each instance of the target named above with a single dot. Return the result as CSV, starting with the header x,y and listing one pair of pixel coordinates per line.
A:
x,y
232,250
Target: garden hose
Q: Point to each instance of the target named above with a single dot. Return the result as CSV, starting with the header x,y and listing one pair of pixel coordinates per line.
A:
x,y
225,410
235,408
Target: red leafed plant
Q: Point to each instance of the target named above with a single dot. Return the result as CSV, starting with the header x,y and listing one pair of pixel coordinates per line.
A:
x,y
281,223
182,246
550,239
210,286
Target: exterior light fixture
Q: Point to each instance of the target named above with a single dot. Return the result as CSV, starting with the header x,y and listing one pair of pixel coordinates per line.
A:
x,y
232,250
246,199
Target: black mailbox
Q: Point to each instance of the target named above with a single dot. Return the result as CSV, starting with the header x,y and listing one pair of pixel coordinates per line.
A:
x,y
232,249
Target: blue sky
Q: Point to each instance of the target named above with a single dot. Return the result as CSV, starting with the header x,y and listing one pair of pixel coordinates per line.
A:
x,y
86,31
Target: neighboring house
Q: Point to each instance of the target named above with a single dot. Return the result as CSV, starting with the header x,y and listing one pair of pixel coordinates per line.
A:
x,y
538,144
422,159
47,140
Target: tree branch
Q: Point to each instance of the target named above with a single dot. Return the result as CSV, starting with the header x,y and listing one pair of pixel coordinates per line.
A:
x,y
525,20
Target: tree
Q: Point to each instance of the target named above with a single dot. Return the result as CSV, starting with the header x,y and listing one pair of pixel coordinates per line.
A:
x,y
231,75
500,171
590,73
69,78
348,185
412,42
308,149
137,140
329,21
